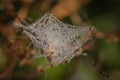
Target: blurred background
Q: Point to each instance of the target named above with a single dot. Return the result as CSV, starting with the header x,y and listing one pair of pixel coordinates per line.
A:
x,y
101,56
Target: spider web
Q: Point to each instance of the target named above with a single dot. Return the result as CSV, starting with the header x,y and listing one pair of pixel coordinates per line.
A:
x,y
59,41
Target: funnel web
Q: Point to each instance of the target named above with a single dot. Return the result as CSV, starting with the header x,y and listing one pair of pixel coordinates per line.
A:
x,y
59,41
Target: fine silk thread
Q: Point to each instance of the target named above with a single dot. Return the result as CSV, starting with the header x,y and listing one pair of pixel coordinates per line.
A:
x,y
59,41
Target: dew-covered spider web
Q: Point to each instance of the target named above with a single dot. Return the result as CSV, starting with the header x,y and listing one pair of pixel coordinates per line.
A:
x,y
60,42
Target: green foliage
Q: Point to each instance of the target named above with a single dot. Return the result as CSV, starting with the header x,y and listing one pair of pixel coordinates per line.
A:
x,y
3,61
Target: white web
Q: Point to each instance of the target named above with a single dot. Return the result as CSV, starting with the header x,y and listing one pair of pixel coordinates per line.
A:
x,y
59,41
